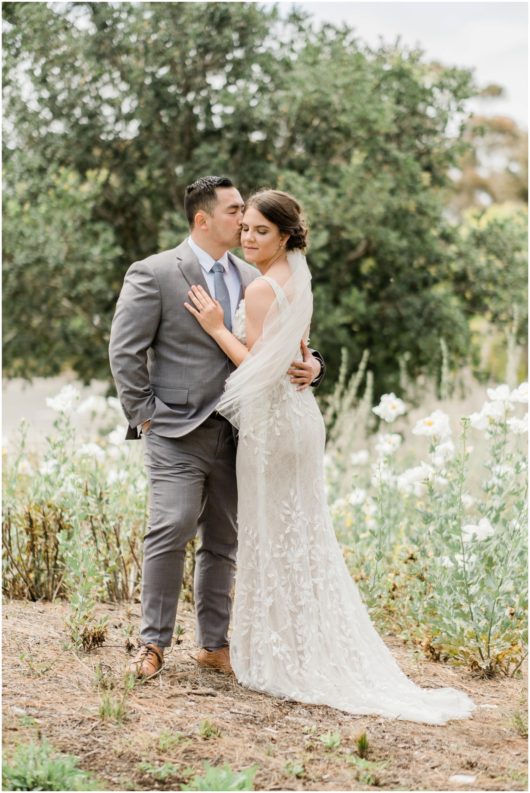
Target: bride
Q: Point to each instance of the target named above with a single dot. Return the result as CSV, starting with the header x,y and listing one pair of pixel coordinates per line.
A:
x,y
300,628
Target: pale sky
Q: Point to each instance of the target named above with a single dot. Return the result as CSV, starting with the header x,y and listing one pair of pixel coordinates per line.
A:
x,y
491,37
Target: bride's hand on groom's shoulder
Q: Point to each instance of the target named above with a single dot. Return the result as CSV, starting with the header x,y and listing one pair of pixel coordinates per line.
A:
x,y
208,312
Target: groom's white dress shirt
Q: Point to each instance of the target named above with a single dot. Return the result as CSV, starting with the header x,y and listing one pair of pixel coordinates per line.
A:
x,y
230,274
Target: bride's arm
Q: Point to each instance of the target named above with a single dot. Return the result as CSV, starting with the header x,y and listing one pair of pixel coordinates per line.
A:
x,y
209,314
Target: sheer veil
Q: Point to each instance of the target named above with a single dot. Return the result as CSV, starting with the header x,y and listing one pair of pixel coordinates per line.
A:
x,y
277,347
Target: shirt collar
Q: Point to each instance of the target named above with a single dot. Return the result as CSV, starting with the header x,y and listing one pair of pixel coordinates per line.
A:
x,y
205,260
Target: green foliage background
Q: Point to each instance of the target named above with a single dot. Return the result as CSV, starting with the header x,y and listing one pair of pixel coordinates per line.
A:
x,y
111,109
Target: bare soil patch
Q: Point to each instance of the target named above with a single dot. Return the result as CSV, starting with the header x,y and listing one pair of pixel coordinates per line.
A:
x,y
56,693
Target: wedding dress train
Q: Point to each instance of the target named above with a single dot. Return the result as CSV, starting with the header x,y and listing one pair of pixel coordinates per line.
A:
x,y
300,628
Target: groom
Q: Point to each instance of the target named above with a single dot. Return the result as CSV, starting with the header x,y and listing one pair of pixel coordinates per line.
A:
x,y
170,375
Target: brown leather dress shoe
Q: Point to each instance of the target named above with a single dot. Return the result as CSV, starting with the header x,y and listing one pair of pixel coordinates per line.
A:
x,y
215,659
148,662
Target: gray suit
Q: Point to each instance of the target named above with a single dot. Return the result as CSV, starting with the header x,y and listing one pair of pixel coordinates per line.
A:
x,y
169,370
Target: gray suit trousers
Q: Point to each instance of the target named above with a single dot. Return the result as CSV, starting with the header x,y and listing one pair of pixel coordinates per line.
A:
x,y
192,488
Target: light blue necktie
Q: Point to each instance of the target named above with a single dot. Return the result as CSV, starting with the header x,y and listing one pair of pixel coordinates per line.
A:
x,y
221,292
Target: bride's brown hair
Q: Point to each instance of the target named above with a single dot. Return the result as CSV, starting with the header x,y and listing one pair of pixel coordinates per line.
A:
x,y
285,212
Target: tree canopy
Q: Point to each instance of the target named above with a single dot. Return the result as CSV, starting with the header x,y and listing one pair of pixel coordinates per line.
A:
x,y
112,108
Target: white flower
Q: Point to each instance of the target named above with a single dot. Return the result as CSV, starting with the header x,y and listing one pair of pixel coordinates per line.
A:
x,y
117,436
387,443
492,414
65,400
412,481
437,425
24,467
339,504
357,496
114,476
390,407
381,473
93,405
467,500
49,467
499,394
360,458
369,512
520,394
91,450
445,561
481,531
518,426
444,452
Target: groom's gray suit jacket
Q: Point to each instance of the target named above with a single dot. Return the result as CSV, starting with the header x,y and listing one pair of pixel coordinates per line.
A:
x,y
166,368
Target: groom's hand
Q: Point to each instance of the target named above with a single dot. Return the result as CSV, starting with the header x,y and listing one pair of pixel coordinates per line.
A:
x,y
303,373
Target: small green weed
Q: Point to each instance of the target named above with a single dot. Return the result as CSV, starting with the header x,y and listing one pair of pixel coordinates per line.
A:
x,y
35,766
159,772
295,769
520,723
362,744
367,771
330,740
208,730
168,740
222,778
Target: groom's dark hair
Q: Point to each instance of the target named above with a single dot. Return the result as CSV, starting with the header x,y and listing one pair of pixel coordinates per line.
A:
x,y
201,195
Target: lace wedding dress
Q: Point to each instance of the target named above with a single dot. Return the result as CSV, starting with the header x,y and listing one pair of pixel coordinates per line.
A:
x,y
300,628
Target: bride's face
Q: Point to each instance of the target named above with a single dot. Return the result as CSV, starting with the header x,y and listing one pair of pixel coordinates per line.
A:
x,y
260,239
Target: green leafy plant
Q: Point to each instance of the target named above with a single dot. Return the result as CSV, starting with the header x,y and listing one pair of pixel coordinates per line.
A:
x,y
208,730
36,766
222,778
330,740
159,772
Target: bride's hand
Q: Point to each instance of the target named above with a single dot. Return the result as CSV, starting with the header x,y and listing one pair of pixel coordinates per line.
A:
x,y
208,312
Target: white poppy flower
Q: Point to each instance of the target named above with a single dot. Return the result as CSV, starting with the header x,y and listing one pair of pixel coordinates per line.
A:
x,y
467,500
49,467
499,394
444,452
390,407
357,496
117,436
114,476
387,443
412,480
360,458
482,531
437,425
520,394
25,467
518,426
93,405
91,450
65,400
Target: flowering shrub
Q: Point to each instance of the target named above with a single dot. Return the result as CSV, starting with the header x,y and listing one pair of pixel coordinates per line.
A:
x,y
437,545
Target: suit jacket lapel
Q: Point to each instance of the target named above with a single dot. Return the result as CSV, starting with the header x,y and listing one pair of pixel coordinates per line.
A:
x,y
190,267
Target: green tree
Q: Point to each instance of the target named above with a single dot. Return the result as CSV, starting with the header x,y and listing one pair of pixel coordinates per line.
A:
x,y
110,111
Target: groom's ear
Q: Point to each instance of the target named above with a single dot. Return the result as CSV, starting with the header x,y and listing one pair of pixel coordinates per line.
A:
x,y
200,220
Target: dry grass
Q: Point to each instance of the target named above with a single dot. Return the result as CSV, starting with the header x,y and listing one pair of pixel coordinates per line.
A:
x,y
56,693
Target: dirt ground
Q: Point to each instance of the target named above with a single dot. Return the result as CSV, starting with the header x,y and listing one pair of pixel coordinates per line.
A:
x,y
56,693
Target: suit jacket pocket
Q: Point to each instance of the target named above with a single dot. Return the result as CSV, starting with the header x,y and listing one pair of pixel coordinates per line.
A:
x,y
171,396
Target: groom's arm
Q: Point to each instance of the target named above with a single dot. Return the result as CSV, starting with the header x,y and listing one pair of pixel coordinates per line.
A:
x,y
133,330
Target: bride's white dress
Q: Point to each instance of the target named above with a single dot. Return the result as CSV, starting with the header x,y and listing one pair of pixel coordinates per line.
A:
x,y
300,628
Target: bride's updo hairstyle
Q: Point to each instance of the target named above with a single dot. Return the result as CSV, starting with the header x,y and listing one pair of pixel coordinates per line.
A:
x,y
285,212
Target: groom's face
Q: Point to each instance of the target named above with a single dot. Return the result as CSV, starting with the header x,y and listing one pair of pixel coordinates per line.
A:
x,y
224,224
